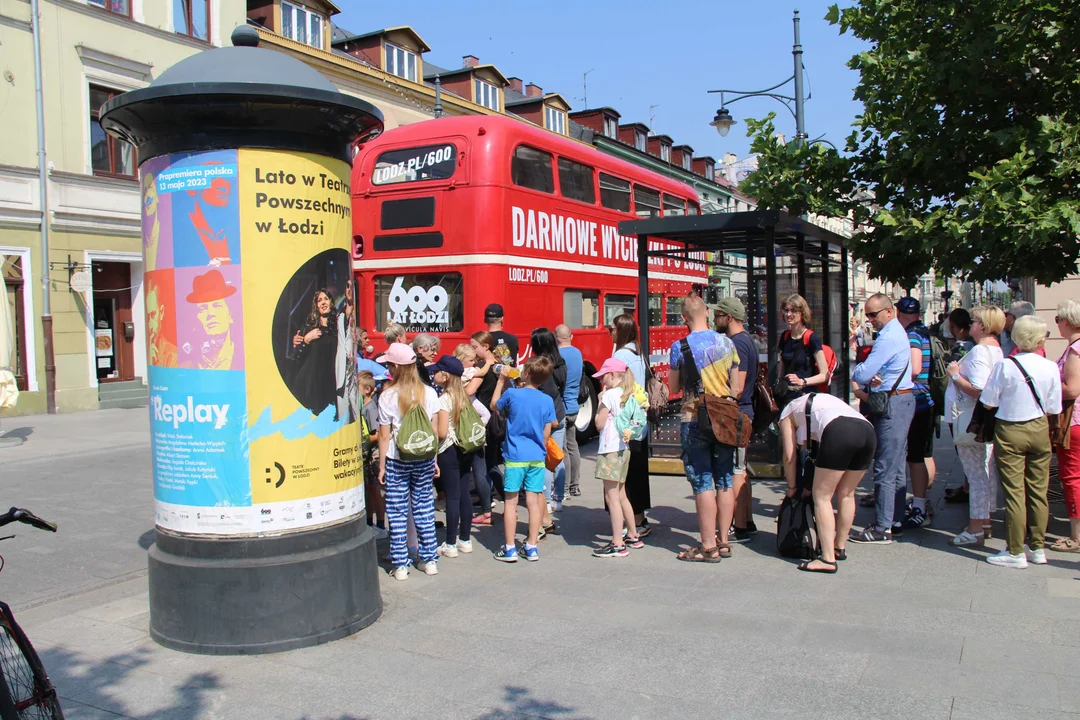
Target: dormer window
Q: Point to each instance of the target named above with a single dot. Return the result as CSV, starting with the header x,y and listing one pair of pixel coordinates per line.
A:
x,y
665,152
685,161
641,142
555,120
486,95
611,127
400,62
302,25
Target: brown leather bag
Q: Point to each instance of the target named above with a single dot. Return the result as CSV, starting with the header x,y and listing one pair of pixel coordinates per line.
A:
x,y
730,425
1060,425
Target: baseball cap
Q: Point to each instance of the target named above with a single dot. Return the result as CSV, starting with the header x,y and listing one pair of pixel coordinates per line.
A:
x,y
610,365
450,364
494,310
397,354
731,306
908,306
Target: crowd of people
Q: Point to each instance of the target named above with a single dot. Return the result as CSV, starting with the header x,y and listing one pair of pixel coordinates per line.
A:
x,y
506,427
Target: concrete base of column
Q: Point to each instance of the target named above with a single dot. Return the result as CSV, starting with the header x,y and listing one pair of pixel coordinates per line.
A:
x,y
223,596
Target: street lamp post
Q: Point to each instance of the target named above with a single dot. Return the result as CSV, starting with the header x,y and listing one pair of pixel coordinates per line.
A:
x,y
723,120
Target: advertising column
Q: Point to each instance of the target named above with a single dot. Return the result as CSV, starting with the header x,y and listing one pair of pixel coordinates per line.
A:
x,y
251,322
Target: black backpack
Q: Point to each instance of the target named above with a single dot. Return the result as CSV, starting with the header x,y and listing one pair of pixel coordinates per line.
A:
x,y
796,533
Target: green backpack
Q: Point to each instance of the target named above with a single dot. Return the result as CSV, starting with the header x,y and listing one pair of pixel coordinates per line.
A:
x,y
632,415
470,430
416,437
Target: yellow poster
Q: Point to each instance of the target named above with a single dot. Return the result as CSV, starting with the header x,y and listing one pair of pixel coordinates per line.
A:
x,y
303,432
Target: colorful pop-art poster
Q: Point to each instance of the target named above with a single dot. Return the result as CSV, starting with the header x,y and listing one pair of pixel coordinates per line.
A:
x,y
252,371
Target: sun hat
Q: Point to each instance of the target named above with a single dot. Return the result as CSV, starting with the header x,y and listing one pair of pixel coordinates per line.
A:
x,y
450,364
610,365
397,354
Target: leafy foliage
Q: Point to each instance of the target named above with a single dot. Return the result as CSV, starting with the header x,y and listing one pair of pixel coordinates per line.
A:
x,y
969,143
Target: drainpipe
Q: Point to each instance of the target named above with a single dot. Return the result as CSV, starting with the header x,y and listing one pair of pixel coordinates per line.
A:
x,y
43,183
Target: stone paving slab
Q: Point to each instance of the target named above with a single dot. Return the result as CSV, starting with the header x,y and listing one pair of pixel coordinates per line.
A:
x,y
914,630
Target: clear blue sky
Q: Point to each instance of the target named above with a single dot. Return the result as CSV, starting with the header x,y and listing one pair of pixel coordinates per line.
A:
x,y
645,53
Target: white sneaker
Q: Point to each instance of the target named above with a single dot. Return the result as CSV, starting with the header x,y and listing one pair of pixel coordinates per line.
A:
x,y
379,533
967,538
428,568
449,551
464,546
1035,557
556,506
401,573
550,508
1007,559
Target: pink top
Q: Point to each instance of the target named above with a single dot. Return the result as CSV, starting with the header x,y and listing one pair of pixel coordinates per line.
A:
x,y
1074,348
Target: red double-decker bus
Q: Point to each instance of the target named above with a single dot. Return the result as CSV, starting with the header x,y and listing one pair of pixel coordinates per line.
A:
x,y
452,214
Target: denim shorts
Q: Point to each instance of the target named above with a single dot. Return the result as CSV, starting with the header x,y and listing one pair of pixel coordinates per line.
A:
x,y
709,465
520,475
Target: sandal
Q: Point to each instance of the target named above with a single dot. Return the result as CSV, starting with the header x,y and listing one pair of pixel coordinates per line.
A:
x,y
724,549
1066,544
699,554
840,554
830,570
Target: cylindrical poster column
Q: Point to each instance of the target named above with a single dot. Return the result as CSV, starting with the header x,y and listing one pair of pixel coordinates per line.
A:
x,y
261,544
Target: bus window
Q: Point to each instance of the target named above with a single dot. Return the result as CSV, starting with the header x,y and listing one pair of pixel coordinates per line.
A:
x,y
614,193
646,201
531,168
580,309
694,208
673,311
431,162
430,302
674,206
576,181
656,316
617,305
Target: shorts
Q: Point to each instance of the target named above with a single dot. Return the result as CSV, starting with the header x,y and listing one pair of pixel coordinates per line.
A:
x,y
740,461
709,465
528,475
613,467
847,444
920,437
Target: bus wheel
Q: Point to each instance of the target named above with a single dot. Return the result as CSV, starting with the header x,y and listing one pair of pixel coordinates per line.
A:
x,y
586,419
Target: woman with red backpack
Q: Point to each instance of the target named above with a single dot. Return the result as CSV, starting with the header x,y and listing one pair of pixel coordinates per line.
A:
x,y
803,362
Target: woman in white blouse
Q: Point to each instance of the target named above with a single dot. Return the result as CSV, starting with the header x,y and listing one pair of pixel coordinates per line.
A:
x,y
969,376
1024,389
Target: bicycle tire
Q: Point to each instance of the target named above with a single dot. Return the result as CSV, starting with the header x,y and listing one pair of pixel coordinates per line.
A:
x,y
30,693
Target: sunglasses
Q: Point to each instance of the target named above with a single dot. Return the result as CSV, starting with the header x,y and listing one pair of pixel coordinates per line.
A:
x,y
873,315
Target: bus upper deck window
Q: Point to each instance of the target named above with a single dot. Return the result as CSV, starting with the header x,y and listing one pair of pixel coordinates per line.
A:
x,y
576,181
531,168
674,206
614,193
646,201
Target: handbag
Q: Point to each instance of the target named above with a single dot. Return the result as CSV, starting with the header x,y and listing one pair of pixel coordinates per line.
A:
x,y
1059,435
983,422
554,455
962,437
730,425
765,408
658,394
877,406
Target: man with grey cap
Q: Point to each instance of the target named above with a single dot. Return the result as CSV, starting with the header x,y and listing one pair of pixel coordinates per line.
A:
x,y
729,316
1016,311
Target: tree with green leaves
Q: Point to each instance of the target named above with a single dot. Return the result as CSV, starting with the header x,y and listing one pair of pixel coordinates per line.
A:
x,y
966,157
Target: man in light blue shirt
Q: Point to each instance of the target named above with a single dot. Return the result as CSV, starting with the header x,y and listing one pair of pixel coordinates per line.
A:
x,y
574,365
887,369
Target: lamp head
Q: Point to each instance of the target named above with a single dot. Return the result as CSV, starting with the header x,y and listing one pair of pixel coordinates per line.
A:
x,y
723,122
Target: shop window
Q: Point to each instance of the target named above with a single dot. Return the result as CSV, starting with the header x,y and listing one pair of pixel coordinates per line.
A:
x,y
615,305
614,193
576,181
581,309
646,201
120,7
192,18
14,286
531,168
108,156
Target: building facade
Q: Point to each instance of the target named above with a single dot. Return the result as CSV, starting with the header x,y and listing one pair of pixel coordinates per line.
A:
x,y
91,50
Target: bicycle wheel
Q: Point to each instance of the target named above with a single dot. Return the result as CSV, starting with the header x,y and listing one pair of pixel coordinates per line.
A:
x,y
28,687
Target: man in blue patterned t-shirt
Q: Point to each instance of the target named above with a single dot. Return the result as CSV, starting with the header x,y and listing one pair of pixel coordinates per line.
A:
x,y
920,452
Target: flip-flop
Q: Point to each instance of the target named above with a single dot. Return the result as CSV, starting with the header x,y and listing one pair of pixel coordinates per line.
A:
x,y
805,567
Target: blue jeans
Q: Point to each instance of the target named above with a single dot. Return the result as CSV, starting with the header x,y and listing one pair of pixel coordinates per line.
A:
x,y
557,478
890,461
709,465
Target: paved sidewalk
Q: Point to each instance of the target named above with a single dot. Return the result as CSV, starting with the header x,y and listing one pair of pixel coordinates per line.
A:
x,y
913,630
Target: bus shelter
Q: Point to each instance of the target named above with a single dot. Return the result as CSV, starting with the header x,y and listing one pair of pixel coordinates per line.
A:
x,y
773,254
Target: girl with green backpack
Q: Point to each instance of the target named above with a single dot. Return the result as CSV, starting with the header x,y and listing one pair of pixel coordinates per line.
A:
x,y
463,428
409,418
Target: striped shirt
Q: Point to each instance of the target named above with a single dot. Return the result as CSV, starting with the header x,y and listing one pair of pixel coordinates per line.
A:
x,y
919,338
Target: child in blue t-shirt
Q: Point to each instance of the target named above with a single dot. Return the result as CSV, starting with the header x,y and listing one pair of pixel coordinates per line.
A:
x,y
530,420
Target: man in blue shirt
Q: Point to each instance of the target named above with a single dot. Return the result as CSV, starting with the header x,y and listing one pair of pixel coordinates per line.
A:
x,y
887,369
574,366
